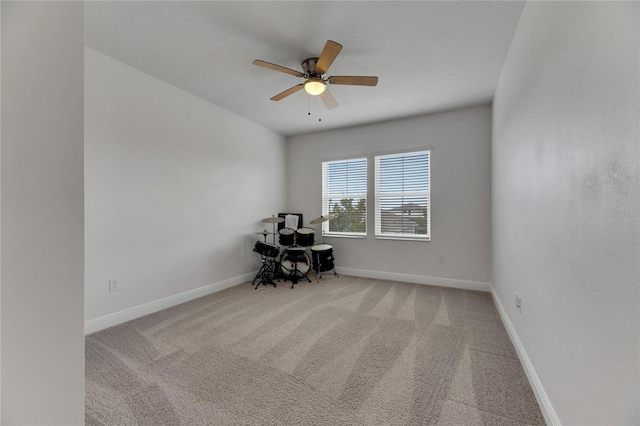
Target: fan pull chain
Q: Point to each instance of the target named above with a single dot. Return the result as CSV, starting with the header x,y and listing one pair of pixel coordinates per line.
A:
x,y
319,107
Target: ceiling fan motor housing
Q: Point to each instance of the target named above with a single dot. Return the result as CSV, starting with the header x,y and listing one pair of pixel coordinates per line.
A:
x,y
309,68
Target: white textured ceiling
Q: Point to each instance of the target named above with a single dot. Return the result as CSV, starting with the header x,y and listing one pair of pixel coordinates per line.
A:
x,y
429,56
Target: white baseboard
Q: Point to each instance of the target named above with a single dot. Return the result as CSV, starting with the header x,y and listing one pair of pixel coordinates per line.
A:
x,y
129,314
416,279
548,412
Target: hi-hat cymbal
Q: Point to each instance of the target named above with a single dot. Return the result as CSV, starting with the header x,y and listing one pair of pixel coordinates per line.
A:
x,y
322,219
273,220
264,233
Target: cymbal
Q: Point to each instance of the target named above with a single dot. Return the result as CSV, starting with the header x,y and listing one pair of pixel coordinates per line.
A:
x,y
273,220
322,219
264,233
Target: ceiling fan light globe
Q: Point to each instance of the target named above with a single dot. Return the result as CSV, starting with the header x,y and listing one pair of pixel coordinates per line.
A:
x,y
315,87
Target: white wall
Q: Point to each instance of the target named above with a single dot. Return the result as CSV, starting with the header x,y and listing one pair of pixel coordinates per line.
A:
x,y
42,213
460,196
175,188
566,204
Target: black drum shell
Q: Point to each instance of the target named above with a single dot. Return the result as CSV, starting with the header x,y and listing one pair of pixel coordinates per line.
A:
x,y
266,249
305,237
286,237
322,258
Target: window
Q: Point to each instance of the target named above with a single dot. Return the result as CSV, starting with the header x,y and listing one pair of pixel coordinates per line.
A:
x,y
402,196
344,194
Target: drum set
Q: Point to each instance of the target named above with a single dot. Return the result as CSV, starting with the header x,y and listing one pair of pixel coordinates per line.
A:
x,y
294,263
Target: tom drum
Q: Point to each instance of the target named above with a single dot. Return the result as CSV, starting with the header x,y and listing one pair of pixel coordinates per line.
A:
x,y
305,237
286,237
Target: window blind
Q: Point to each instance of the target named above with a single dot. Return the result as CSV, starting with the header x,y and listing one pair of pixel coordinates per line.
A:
x,y
402,196
344,194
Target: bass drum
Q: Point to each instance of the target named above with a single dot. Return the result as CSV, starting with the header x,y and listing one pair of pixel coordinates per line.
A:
x,y
293,257
322,255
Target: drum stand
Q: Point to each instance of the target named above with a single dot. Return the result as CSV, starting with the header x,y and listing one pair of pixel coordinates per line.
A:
x,y
293,274
319,274
319,271
266,269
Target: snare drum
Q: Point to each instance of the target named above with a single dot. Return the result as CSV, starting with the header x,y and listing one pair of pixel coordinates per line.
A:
x,y
266,249
322,256
286,237
305,237
296,260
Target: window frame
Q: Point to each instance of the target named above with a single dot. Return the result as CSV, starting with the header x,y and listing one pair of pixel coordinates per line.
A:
x,y
326,197
378,234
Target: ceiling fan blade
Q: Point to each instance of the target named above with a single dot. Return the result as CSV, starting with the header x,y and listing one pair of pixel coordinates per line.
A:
x,y
275,67
328,99
289,91
354,80
328,55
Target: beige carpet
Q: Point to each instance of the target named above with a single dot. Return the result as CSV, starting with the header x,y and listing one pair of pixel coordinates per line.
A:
x,y
345,351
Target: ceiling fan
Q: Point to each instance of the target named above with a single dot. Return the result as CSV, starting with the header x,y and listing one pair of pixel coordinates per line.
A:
x,y
314,74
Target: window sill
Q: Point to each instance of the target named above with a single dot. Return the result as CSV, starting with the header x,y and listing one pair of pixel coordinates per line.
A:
x,y
357,236
402,238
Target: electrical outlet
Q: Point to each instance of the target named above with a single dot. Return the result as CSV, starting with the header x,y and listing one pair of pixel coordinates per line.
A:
x,y
113,284
441,259
518,303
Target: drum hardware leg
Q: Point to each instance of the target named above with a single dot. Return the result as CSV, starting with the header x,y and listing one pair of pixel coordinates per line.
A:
x,y
294,280
316,258
272,274
295,274
276,270
305,274
334,268
259,274
263,273
319,273
291,274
